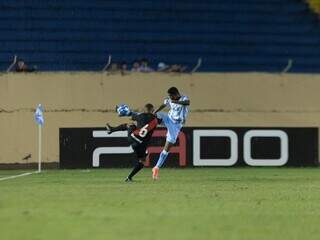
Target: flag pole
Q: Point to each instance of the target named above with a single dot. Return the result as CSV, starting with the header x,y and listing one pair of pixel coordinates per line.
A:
x,y
39,146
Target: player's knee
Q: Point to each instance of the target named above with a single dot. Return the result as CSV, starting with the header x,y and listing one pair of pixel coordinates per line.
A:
x,y
143,161
168,145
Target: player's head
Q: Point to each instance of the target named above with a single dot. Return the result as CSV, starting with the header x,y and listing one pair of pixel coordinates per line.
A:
x,y
173,93
148,108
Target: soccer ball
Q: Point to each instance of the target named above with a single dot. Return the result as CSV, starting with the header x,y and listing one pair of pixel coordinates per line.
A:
x,y
123,110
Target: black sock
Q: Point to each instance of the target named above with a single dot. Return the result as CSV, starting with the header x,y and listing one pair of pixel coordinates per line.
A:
x,y
136,169
121,127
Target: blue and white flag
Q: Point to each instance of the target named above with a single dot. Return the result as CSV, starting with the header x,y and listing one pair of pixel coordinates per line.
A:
x,y
38,115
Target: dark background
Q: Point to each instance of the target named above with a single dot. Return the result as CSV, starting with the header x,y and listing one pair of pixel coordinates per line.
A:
x,y
77,145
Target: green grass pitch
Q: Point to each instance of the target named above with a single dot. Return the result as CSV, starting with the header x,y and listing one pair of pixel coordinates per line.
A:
x,y
186,204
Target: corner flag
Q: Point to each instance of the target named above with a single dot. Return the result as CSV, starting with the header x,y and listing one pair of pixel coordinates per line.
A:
x,y
38,115
39,118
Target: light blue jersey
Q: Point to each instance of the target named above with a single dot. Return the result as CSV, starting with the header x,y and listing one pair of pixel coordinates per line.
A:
x,y
178,113
175,119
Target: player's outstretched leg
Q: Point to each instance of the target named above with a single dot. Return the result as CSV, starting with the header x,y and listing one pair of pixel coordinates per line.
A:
x,y
121,127
162,158
139,165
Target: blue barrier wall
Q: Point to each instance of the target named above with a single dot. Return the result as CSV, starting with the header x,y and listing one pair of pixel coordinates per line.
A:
x,y
230,35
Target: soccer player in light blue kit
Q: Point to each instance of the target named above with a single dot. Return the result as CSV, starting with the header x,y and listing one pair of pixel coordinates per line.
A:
x,y
173,120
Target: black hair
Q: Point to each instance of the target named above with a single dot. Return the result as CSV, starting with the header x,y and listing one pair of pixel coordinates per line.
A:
x,y
173,91
149,106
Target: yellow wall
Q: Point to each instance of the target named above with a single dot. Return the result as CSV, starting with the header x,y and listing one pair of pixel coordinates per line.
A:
x,y
88,99
314,5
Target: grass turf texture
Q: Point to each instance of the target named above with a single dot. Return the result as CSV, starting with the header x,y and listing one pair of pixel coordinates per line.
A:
x,y
217,203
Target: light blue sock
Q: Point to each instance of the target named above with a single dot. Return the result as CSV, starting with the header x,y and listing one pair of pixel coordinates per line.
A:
x,y
163,155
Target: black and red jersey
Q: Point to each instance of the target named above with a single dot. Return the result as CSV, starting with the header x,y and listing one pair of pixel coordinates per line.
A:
x,y
146,124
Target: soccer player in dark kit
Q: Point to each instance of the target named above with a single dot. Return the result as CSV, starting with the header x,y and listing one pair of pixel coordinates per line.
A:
x,y
139,133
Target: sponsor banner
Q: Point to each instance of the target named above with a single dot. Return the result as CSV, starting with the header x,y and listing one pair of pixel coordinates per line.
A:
x,y
205,146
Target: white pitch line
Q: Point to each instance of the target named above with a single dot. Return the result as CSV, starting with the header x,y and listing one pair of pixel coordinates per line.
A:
x,y
16,176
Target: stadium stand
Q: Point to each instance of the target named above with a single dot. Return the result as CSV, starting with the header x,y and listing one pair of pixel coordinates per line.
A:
x,y
229,35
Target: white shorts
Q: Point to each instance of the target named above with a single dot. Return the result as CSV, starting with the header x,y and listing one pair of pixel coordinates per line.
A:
x,y
173,128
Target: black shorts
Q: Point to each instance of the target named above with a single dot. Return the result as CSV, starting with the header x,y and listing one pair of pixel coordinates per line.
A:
x,y
140,150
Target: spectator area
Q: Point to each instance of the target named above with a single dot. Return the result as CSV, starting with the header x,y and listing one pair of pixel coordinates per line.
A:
x,y
229,35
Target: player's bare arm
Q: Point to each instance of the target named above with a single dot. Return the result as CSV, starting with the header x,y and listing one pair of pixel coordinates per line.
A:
x,y
183,102
160,108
